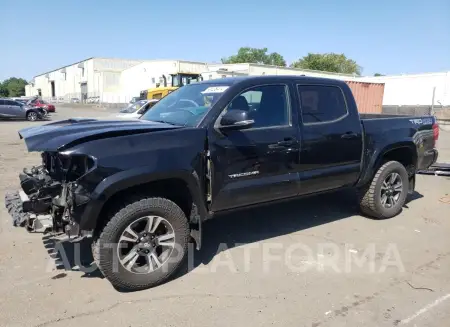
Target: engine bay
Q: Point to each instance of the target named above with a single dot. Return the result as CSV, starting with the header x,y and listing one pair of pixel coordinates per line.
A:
x,y
47,198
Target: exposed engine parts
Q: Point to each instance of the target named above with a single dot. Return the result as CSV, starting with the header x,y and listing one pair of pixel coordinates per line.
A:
x,y
47,197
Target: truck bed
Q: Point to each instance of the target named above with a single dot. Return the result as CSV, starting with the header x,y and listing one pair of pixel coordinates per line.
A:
x,y
381,132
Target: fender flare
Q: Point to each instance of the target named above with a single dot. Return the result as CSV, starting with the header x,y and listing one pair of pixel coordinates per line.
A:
x,y
134,177
374,161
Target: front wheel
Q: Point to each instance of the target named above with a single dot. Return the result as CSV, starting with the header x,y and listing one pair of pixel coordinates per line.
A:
x,y
143,244
385,196
32,116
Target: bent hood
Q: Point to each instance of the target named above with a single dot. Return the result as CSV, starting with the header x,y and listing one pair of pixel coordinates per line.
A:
x,y
62,134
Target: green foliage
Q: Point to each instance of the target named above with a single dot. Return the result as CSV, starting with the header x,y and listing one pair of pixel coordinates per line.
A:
x,y
378,74
255,56
328,62
3,91
13,87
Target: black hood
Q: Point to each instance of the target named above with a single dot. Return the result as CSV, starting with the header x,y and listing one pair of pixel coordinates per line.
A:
x,y
65,133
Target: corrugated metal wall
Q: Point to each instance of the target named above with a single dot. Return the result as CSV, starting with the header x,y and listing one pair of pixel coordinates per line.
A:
x,y
368,96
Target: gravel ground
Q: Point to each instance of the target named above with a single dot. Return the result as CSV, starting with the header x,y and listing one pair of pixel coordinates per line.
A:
x,y
297,264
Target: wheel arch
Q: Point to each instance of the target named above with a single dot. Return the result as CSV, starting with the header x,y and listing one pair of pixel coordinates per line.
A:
x,y
182,187
403,152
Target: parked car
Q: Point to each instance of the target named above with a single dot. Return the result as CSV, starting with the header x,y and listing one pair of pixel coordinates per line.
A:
x,y
136,110
135,99
146,186
10,109
75,100
93,100
42,104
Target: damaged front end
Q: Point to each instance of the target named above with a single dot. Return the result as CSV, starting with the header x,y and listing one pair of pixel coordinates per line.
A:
x,y
50,193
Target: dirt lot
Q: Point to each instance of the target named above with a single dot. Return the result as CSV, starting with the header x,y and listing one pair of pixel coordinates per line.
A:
x,y
313,262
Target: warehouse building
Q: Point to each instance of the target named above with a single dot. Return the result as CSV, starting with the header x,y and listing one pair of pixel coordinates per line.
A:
x,y
84,79
151,73
416,89
118,80
214,71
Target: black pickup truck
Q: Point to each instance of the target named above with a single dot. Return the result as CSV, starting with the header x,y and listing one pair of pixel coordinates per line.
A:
x,y
143,188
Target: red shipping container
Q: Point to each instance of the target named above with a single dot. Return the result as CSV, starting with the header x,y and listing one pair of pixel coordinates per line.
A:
x,y
368,96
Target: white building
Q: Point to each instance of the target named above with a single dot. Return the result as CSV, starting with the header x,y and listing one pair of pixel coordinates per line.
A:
x,y
214,71
118,80
416,89
84,79
148,74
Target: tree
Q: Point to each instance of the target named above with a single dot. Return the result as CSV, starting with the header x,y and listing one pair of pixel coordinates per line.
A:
x,y
3,91
255,56
14,86
378,74
328,62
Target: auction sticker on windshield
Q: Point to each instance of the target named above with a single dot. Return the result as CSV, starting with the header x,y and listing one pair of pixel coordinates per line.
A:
x,y
215,89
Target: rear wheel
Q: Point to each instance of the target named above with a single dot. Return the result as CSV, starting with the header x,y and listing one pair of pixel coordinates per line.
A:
x,y
385,196
143,244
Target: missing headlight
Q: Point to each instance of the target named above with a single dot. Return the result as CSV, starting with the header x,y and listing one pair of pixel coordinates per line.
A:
x,y
79,165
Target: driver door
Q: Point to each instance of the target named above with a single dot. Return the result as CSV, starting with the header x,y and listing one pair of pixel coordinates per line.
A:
x,y
258,164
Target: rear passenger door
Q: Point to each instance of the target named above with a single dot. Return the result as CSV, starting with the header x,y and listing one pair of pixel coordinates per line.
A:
x,y
331,148
8,108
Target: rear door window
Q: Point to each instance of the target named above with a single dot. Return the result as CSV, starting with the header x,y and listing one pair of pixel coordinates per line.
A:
x,y
11,103
321,103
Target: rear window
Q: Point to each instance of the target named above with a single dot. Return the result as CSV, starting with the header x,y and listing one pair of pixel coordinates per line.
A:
x,y
321,103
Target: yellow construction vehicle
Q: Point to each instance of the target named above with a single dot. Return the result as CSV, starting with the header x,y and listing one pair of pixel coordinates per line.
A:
x,y
178,80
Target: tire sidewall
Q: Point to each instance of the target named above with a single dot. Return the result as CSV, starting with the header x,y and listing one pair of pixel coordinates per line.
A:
x,y
108,247
392,167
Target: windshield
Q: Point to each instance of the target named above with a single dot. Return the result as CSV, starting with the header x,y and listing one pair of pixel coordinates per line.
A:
x,y
133,107
187,105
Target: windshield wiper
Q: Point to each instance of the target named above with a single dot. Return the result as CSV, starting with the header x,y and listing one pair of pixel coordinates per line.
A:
x,y
166,122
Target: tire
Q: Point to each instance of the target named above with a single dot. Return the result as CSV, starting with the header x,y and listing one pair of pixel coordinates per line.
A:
x,y
32,116
106,251
371,197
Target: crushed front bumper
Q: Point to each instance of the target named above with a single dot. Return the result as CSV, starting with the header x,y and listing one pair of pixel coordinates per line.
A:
x,y
14,203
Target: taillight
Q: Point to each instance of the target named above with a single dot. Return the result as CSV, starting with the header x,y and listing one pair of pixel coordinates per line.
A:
x,y
436,131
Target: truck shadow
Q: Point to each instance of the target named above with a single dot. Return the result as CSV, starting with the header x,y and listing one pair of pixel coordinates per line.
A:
x,y
226,231
263,223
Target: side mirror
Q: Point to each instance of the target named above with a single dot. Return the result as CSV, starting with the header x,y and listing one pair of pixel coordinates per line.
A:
x,y
235,119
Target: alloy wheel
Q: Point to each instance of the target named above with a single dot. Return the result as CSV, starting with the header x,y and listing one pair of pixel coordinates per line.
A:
x,y
391,189
146,244
32,116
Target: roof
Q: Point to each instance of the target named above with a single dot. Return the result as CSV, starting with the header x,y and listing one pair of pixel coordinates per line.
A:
x,y
53,70
271,78
84,60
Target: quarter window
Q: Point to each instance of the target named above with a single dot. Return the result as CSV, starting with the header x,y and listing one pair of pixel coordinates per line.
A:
x,y
320,103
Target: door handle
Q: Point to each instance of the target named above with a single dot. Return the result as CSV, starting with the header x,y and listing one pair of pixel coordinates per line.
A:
x,y
349,135
289,141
